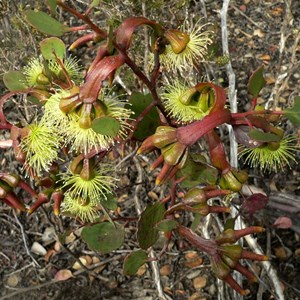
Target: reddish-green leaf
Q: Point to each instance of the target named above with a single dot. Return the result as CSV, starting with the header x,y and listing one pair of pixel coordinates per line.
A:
x,y
147,234
293,113
150,122
106,126
104,237
53,45
126,29
90,89
166,225
15,80
265,137
133,261
256,82
197,170
44,23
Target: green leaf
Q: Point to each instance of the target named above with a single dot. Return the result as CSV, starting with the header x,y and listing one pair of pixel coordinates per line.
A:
x,y
133,261
52,6
293,113
166,225
196,171
15,80
95,3
44,23
256,82
106,126
147,234
110,202
150,122
104,237
261,136
53,45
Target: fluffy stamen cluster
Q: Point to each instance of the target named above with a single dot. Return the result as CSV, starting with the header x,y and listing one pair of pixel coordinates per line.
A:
x,y
195,48
41,145
268,158
177,108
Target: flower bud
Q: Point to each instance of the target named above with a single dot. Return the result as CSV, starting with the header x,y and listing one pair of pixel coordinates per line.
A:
x,y
57,198
227,236
87,172
187,95
231,254
85,119
77,164
229,181
4,189
164,135
240,175
42,79
173,153
177,39
13,201
219,267
11,179
43,197
147,145
69,103
195,196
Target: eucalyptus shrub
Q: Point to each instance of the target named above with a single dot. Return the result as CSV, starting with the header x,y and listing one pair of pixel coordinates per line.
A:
x,y
64,150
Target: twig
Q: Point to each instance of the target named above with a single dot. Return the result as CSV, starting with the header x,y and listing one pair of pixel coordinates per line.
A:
x,y
233,108
24,240
267,266
153,263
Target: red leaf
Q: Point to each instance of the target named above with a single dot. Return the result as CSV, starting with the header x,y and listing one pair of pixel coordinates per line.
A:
x,y
90,89
126,29
283,223
253,204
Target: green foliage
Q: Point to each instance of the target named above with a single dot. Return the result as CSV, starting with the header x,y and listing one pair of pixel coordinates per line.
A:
x,y
44,23
147,234
15,80
293,113
150,122
261,136
106,125
133,261
256,82
53,47
104,237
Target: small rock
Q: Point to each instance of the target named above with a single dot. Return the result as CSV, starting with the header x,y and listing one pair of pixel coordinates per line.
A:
x,y
199,282
142,270
193,259
12,280
197,296
165,270
38,249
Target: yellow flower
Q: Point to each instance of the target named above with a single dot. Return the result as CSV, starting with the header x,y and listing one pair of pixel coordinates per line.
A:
x,y
53,116
41,145
84,138
34,72
182,103
186,46
79,207
72,67
271,156
96,188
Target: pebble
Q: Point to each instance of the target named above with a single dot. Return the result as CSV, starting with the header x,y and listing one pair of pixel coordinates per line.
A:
x,y
199,282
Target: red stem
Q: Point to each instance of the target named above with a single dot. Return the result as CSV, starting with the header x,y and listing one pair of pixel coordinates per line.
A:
x,y
190,134
208,246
